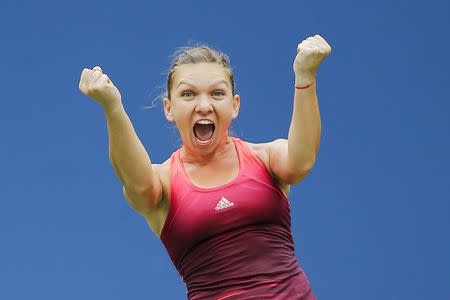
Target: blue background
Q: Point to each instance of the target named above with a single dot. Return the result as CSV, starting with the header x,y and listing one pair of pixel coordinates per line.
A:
x,y
371,221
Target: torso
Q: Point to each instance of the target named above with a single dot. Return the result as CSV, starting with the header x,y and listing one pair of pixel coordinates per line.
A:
x,y
206,176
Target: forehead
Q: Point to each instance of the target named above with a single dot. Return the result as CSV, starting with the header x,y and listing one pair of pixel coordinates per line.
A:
x,y
200,73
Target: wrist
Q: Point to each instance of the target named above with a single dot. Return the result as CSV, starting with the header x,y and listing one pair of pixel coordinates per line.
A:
x,y
305,87
113,108
302,80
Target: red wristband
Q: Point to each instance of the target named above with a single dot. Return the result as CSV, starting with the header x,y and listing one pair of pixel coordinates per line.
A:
x,y
305,87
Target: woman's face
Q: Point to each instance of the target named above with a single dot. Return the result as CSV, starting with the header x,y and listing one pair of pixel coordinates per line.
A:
x,y
202,104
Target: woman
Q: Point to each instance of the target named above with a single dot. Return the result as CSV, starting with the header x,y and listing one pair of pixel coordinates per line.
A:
x,y
219,204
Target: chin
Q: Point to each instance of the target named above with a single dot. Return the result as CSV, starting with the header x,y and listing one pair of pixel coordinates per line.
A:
x,y
203,144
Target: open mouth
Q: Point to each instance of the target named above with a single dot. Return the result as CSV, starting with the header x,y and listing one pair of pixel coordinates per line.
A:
x,y
203,130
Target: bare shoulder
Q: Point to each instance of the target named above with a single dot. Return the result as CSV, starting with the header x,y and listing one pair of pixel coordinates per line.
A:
x,y
163,172
261,150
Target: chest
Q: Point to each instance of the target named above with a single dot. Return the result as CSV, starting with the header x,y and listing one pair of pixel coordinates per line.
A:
x,y
248,201
214,174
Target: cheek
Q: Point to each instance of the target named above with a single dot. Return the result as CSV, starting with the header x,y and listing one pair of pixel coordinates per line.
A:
x,y
180,110
226,116
182,117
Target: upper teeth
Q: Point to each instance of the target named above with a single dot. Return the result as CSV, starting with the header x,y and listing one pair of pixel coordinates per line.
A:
x,y
205,122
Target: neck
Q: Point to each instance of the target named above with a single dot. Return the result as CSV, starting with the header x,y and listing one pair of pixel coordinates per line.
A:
x,y
193,156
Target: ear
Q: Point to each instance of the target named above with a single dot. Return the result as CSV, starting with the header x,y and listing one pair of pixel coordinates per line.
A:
x,y
168,109
236,105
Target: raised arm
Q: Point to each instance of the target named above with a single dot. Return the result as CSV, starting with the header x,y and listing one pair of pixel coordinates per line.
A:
x,y
141,184
292,159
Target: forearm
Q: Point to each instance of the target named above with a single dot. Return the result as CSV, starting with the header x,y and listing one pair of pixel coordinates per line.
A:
x,y
128,156
305,128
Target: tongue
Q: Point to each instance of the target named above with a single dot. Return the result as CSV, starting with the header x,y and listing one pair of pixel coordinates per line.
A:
x,y
203,132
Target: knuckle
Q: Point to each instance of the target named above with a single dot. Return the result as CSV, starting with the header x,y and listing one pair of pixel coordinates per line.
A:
x,y
92,89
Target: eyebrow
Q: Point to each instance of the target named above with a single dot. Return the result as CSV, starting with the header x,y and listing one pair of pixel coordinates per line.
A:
x,y
213,84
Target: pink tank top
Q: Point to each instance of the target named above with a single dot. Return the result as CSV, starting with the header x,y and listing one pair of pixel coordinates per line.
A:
x,y
233,241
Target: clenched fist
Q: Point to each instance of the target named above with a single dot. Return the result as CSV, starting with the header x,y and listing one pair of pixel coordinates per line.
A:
x,y
98,86
310,53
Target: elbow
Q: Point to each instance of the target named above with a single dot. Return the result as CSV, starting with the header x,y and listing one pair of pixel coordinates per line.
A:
x,y
140,199
309,166
297,174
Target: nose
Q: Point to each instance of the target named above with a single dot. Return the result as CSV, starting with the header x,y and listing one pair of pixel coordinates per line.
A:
x,y
204,105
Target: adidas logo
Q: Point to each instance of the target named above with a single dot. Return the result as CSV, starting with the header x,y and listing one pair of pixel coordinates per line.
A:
x,y
224,203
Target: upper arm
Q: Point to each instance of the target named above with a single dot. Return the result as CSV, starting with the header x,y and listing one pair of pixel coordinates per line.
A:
x,y
279,165
149,198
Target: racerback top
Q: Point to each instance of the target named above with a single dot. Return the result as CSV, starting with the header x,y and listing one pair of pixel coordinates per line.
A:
x,y
233,241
